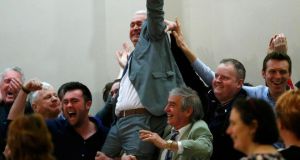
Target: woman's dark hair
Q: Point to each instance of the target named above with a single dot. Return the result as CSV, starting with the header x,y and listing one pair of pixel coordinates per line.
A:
x,y
107,88
251,110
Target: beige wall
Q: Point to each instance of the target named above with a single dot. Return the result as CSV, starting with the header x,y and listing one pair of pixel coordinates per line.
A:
x,y
75,40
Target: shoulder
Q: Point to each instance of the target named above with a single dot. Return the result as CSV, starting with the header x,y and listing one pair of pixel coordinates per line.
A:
x,y
256,91
57,122
200,127
292,152
57,125
98,123
199,123
255,88
242,93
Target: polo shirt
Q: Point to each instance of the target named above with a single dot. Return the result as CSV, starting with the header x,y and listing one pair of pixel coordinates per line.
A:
x,y
68,144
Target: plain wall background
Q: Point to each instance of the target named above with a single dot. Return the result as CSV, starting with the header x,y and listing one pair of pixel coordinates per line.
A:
x,y
75,40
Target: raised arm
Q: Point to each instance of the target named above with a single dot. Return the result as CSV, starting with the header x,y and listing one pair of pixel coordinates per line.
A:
x,y
278,43
122,57
18,106
206,74
181,43
155,18
123,54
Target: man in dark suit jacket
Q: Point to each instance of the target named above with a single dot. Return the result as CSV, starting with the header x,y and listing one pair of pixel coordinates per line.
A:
x,y
185,113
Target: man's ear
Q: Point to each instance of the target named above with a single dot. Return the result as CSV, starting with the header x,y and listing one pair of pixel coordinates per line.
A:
x,y
240,83
189,111
263,73
88,104
34,107
279,124
254,126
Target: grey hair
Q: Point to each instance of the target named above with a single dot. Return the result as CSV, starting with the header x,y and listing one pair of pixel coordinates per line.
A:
x,y
34,95
238,66
141,12
14,68
190,99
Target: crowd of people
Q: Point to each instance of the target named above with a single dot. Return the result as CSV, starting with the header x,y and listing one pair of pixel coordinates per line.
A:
x,y
166,104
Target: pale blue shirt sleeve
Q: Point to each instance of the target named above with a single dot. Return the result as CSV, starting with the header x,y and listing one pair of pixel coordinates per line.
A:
x,y
260,92
205,73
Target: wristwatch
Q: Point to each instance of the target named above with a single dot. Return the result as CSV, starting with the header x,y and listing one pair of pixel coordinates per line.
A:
x,y
169,144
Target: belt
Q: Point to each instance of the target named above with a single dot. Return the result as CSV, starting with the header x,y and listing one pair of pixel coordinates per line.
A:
x,y
129,112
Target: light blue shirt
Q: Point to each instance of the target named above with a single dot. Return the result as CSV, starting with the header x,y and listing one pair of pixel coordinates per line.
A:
x,y
207,75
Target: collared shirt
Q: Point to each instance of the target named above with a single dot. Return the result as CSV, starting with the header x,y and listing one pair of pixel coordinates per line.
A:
x,y
128,96
180,147
217,118
68,144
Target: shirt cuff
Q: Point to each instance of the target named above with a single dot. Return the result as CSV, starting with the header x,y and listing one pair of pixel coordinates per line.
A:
x,y
180,147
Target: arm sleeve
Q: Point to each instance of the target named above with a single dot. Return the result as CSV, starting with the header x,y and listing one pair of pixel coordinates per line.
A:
x,y
206,74
199,144
155,17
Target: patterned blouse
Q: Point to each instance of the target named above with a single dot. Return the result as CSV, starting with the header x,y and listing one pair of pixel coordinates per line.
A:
x,y
275,156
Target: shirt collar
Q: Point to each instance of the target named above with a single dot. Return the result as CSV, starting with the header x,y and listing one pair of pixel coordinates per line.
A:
x,y
182,130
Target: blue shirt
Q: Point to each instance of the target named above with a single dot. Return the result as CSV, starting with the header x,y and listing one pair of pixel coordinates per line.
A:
x,y
260,92
69,145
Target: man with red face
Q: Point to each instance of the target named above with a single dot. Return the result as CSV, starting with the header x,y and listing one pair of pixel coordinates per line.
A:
x,y
136,26
11,80
77,135
276,70
10,84
43,100
46,102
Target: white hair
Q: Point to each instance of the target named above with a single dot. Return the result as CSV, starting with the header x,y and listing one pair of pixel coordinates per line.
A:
x,y
14,68
34,95
141,12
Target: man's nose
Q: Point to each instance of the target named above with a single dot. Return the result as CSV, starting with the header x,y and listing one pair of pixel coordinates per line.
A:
x,y
136,26
54,98
166,108
218,79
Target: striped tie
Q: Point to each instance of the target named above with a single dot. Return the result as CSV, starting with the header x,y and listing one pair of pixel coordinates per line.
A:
x,y
169,154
